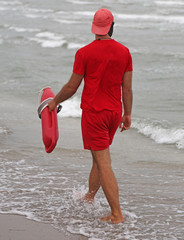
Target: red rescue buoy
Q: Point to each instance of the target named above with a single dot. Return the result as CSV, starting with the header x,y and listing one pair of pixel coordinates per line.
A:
x,y
50,133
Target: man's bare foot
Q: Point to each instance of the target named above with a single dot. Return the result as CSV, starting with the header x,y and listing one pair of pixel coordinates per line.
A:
x,y
113,219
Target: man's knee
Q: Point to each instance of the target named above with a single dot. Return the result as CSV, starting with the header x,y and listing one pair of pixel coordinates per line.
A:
x,y
102,159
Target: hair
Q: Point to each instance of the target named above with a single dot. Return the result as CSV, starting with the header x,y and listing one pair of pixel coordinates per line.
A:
x,y
111,29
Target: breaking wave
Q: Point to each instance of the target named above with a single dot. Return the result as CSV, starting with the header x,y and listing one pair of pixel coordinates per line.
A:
x,y
160,131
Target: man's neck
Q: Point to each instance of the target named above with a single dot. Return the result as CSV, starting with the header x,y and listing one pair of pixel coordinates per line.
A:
x,y
102,37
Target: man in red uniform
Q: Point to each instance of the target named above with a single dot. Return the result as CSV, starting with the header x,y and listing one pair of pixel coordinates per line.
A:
x,y
106,67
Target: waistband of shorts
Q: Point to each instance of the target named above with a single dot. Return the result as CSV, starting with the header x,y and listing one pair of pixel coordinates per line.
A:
x,y
103,110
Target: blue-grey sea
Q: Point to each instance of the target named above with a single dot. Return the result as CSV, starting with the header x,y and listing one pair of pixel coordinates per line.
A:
x,y
38,41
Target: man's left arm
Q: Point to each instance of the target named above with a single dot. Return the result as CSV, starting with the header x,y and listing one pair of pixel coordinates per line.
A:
x,y
127,101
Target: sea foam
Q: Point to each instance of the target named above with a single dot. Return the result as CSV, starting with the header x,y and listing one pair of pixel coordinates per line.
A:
x,y
11,2
18,29
160,132
54,40
79,2
152,18
26,214
48,39
3,130
71,108
170,3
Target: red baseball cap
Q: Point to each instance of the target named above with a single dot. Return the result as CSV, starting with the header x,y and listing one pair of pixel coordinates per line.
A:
x,y
102,21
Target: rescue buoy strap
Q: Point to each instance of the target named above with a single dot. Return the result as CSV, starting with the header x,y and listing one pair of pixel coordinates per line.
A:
x,y
43,105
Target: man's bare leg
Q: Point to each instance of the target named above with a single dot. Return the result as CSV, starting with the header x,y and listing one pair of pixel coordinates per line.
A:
x,y
94,182
109,184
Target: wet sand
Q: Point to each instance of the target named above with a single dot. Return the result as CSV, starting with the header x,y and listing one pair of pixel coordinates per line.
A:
x,y
14,227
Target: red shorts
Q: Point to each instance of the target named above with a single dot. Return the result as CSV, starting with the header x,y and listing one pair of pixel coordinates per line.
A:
x,y
98,128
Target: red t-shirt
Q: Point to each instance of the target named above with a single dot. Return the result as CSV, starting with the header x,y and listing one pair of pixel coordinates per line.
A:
x,y
103,64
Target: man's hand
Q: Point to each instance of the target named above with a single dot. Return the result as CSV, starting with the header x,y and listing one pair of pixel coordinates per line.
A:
x,y
52,105
125,122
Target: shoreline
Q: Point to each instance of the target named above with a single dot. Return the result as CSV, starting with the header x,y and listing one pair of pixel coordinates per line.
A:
x,y
17,227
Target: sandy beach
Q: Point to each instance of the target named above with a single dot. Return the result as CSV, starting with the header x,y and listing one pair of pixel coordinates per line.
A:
x,y
14,227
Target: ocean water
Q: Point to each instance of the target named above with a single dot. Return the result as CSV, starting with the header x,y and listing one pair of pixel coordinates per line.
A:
x,y
38,41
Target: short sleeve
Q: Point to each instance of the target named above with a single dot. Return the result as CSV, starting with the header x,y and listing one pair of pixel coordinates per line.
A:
x,y
79,65
129,67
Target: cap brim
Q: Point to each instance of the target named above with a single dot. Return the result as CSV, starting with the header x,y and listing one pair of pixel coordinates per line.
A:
x,y
100,30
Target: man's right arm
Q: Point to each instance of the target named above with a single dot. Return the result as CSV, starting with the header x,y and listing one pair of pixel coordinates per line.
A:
x,y
127,98
67,91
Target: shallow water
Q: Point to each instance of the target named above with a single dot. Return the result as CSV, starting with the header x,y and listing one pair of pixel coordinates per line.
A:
x,y
48,188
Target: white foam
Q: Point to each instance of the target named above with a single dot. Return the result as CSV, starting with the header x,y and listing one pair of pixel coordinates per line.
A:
x,y
65,21
160,133
78,194
94,238
3,9
18,29
48,35
5,151
11,2
170,3
71,108
84,13
131,215
28,215
36,10
22,161
49,40
151,17
75,45
79,2
31,16
3,130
